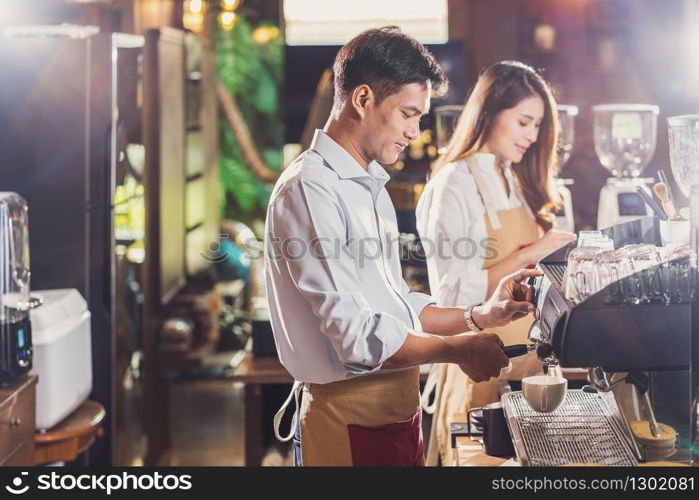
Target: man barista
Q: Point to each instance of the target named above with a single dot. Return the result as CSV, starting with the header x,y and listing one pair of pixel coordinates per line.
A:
x,y
346,325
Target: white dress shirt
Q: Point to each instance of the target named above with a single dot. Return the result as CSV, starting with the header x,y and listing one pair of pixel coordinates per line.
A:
x,y
338,304
450,219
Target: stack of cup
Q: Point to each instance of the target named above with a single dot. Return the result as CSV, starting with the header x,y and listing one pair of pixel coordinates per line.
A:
x,y
578,283
644,259
677,275
595,239
609,269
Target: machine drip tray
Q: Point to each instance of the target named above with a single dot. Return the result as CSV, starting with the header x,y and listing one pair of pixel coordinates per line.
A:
x,y
586,428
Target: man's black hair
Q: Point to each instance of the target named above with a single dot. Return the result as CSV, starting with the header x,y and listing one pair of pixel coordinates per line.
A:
x,y
385,59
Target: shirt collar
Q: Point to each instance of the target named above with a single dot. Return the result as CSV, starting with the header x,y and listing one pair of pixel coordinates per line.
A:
x,y
487,161
342,162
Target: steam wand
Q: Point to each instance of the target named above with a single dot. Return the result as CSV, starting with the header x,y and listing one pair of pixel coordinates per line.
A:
x,y
640,381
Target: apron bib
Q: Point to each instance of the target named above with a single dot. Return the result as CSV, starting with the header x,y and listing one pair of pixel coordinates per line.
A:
x,y
508,230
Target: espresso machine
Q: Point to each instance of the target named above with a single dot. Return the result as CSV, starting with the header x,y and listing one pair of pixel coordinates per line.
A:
x,y
625,138
15,301
639,349
637,337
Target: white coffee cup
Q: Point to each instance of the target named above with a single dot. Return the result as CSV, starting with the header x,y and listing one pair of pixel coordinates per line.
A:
x,y
674,231
544,393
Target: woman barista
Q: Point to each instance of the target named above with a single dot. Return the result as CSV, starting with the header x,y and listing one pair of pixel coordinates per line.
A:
x,y
488,209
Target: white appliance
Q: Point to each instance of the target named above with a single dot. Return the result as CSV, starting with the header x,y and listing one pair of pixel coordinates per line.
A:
x,y
566,139
625,137
565,221
62,354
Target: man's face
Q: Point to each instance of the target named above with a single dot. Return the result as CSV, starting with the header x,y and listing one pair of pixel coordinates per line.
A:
x,y
388,127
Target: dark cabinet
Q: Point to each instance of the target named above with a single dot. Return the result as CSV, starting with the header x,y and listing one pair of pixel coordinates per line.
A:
x,y
17,418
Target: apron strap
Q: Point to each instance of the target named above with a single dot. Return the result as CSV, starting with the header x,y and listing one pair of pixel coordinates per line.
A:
x,y
430,387
295,390
490,210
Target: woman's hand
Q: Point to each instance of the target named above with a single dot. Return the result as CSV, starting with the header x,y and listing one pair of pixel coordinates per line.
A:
x,y
552,241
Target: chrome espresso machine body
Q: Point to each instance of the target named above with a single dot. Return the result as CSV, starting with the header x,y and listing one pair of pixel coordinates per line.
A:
x,y
643,349
600,332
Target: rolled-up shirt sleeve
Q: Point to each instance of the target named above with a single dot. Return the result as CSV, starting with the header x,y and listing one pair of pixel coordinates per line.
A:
x,y
418,301
308,229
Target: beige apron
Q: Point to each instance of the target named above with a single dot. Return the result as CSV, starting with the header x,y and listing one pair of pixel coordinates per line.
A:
x,y
371,420
508,231
369,410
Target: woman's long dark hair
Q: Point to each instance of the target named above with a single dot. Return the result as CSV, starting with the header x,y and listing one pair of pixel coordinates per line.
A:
x,y
502,86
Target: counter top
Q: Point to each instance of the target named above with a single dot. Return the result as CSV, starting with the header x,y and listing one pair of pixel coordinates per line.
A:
x,y
470,453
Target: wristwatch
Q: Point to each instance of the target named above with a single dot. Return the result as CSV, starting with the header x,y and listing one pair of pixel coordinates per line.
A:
x,y
468,317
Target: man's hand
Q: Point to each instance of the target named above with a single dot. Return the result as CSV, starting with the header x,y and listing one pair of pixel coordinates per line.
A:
x,y
511,300
481,356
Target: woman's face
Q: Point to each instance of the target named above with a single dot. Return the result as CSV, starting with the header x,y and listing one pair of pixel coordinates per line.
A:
x,y
516,129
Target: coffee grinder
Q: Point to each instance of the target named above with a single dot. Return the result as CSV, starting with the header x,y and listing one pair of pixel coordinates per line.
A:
x,y
445,118
683,136
15,302
625,136
566,140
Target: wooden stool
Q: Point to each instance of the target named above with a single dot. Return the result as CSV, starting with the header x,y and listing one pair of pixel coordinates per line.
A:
x,y
71,436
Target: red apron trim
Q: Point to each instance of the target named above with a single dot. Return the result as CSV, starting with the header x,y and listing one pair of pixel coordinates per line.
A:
x,y
396,444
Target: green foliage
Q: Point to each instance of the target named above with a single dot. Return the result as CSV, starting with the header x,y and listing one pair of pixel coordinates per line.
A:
x,y
253,74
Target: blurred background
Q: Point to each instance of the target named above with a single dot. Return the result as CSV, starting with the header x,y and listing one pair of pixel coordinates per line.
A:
x,y
146,136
